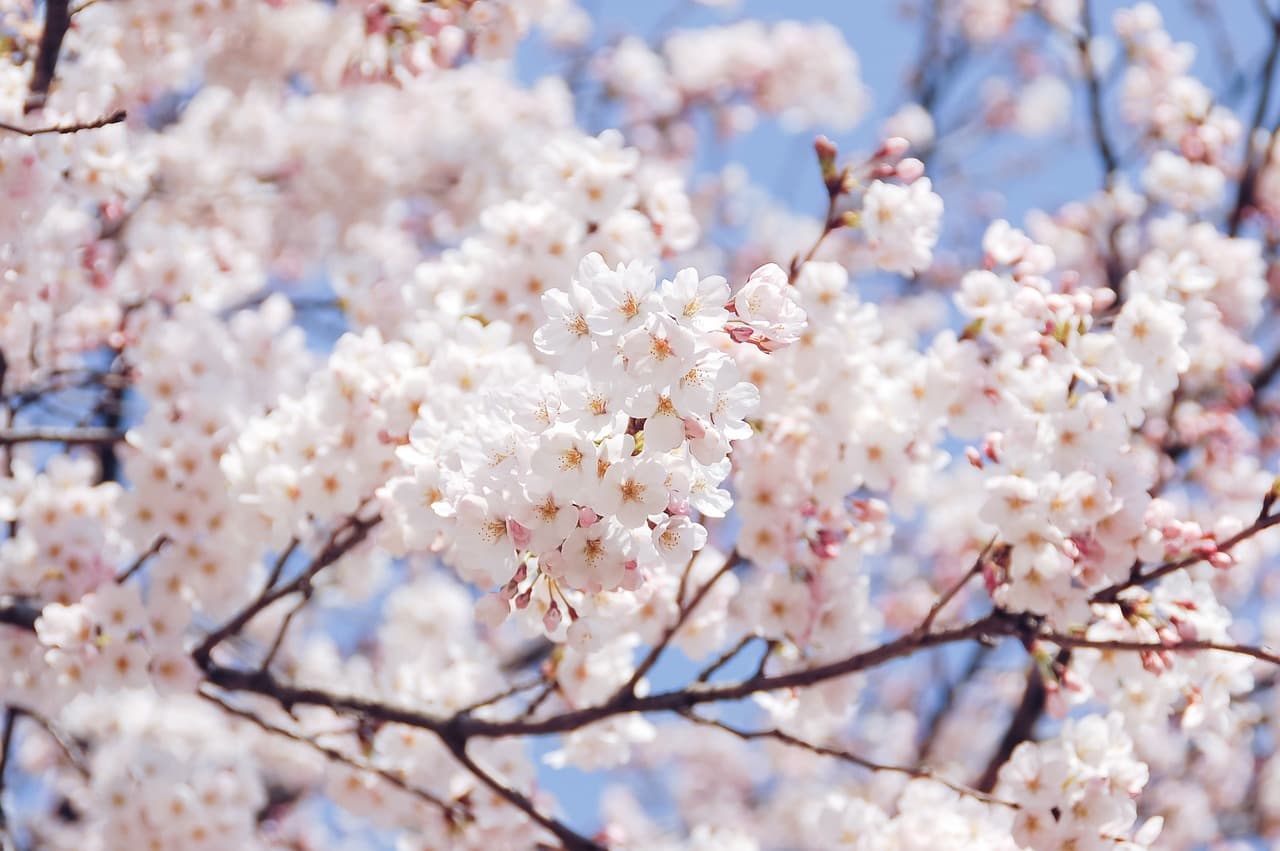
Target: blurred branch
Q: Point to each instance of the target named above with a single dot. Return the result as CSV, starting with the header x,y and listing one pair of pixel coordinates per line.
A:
x,y
628,688
6,745
91,435
454,811
1245,191
572,840
845,756
57,19
341,540
106,120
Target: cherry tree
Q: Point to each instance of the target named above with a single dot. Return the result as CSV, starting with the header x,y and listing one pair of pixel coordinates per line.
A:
x,y
388,429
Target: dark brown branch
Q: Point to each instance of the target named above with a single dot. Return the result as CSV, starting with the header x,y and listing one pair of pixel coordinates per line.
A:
x,y
1093,84
54,434
706,673
262,682
569,838
948,595
57,18
341,541
933,723
278,568
1067,640
454,811
6,744
19,613
629,687
548,689
141,560
278,641
106,120
1245,191
680,699
69,748
1111,593
501,696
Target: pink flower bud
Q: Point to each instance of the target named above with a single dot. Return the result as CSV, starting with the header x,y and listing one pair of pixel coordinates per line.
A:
x,y
910,170
632,579
989,577
519,534
678,504
893,147
586,516
551,620
1155,663
974,457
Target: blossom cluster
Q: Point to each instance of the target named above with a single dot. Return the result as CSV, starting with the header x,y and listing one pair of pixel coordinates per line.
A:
x,y
383,433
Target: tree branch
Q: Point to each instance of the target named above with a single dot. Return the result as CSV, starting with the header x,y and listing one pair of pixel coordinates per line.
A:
x,y
57,19
6,743
335,548
629,687
89,435
569,838
114,118
948,595
1244,192
1111,593
845,756
454,810
156,546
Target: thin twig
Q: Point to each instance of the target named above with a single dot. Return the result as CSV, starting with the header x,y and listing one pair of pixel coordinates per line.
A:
x,y
950,593
571,839
284,628
846,756
1245,191
278,567
629,687
68,747
452,810
1061,639
106,120
156,546
705,674
1111,592
501,696
551,687
355,529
